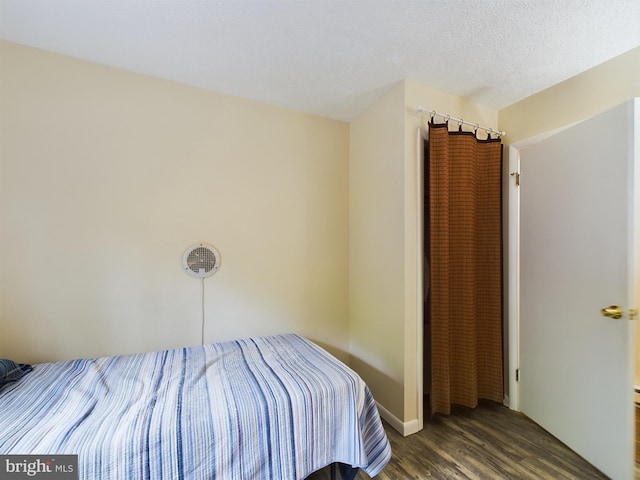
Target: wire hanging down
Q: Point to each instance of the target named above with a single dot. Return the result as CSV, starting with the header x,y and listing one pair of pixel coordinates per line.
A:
x,y
432,113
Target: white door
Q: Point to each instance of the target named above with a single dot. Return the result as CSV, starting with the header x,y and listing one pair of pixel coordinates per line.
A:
x,y
578,254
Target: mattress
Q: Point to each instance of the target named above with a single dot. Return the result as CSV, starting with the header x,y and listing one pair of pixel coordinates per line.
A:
x,y
276,407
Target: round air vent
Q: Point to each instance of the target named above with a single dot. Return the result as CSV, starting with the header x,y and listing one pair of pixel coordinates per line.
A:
x,y
201,260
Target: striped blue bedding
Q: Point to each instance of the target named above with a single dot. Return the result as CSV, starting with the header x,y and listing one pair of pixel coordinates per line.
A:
x,y
275,407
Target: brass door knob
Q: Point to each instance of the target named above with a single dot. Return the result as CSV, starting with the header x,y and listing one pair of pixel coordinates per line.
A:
x,y
612,311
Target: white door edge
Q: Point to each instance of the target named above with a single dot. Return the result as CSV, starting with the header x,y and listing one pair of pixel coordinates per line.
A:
x,y
513,310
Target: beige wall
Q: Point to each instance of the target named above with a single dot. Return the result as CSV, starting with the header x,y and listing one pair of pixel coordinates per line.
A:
x,y
385,251
376,259
106,176
573,100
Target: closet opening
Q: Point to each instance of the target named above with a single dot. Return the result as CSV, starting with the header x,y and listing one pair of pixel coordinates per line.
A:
x,y
462,269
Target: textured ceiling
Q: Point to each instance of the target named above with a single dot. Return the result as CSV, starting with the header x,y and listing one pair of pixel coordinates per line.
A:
x,y
334,57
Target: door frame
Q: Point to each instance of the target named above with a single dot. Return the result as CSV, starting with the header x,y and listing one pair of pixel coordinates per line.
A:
x,y
513,276
513,261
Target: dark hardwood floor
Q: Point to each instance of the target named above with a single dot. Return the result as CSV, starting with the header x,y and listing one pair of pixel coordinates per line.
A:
x,y
489,442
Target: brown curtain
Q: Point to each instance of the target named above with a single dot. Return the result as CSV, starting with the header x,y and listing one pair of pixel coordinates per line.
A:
x,y
465,261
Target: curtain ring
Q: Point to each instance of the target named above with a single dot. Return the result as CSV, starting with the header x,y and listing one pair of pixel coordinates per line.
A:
x,y
460,123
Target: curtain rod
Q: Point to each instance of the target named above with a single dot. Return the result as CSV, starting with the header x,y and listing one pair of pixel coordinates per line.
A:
x,y
433,113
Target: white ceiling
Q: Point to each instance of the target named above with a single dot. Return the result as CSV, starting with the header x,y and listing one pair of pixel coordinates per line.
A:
x,y
334,57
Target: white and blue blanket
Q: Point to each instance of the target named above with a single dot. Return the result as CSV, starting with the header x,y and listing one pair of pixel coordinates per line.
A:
x,y
275,407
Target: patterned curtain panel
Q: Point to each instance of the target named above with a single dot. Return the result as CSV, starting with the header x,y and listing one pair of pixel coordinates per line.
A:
x,y
465,260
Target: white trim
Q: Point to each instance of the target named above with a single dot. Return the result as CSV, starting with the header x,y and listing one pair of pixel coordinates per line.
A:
x,y
513,309
419,280
404,428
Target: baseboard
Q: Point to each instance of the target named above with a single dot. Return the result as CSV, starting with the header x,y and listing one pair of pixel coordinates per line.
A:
x,y
404,428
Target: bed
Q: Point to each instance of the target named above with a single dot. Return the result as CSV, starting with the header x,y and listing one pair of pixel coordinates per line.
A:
x,y
276,407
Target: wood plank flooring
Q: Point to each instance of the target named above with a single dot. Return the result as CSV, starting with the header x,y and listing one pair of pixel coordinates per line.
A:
x,y
489,442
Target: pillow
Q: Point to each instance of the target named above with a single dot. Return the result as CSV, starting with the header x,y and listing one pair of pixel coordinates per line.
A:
x,y
11,371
